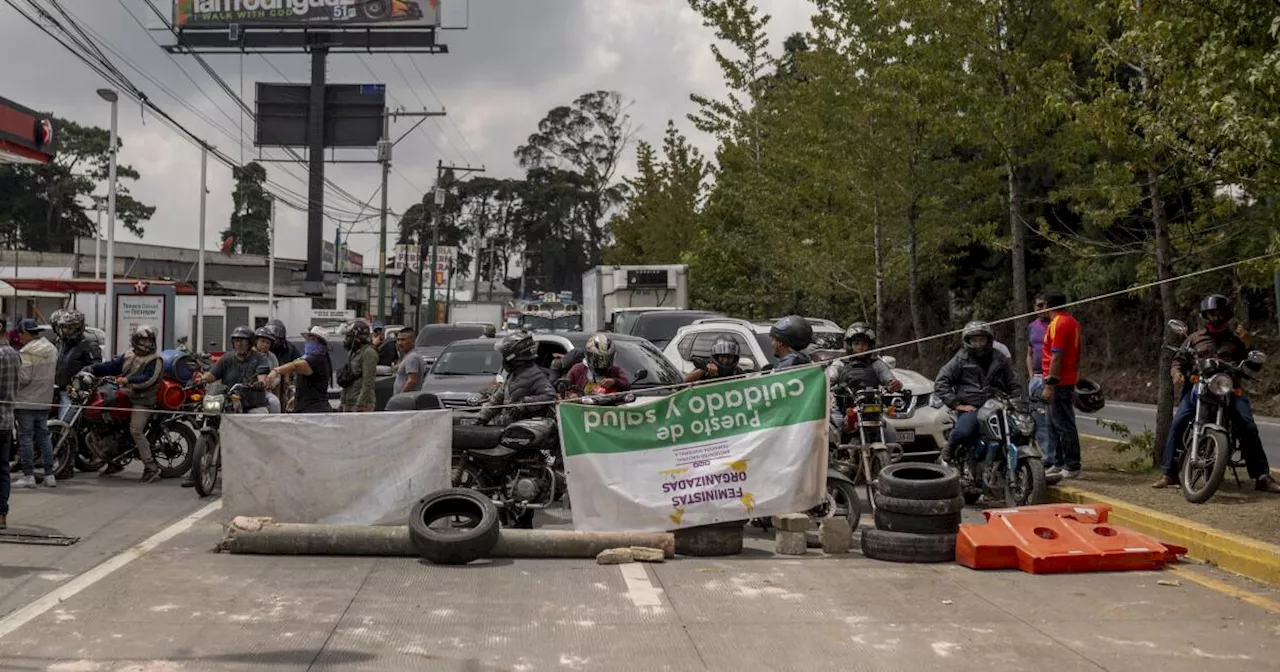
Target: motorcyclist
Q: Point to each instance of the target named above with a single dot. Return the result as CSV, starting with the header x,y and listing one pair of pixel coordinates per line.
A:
x,y
1216,340
281,347
723,362
596,373
139,372
262,340
526,383
791,335
244,365
859,371
75,353
966,382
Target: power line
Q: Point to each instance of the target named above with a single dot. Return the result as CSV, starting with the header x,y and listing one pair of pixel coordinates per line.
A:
x,y
449,119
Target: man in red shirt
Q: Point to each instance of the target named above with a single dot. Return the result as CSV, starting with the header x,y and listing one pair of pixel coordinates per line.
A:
x,y
1061,367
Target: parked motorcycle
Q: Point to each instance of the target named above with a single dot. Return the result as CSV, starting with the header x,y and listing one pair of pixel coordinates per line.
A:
x,y
860,448
96,430
206,459
1005,463
1209,445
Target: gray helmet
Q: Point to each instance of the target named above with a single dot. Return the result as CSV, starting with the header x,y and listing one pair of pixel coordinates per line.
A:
x,y
517,348
793,331
70,324
355,334
242,332
278,331
600,352
858,330
143,339
723,349
977,329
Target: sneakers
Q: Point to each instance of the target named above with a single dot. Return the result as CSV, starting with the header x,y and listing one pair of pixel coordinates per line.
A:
x,y
50,482
1266,484
150,473
25,482
1053,471
1070,473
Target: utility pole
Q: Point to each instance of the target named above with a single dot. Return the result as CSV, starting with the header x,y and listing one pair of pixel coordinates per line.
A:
x,y
435,223
204,190
384,157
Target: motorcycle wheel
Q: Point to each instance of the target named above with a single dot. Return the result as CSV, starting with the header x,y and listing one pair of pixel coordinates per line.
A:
x,y
205,465
1029,486
171,445
66,448
1215,457
464,474
842,500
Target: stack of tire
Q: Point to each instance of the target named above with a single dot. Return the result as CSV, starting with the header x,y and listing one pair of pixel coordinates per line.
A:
x,y
917,514
453,526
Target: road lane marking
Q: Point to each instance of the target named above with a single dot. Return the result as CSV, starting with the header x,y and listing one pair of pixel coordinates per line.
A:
x,y
1226,588
21,617
639,588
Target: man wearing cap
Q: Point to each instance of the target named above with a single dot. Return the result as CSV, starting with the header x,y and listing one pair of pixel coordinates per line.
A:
x,y
10,365
35,395
313,371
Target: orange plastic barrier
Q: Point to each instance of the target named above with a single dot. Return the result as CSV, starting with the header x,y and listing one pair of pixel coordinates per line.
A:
x,y
1059,539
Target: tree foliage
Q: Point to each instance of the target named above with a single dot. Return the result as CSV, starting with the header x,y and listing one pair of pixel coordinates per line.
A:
x,y
249,230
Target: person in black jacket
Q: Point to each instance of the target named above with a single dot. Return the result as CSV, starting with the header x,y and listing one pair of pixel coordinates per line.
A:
x,y
965,383
526,383
75,353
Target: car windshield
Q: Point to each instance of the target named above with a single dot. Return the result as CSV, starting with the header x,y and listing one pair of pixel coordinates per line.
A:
x,y
635,355
433,336
469,359
659,327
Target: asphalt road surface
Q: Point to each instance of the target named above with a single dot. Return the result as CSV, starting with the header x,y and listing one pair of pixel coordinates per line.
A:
x,y
143,591
1139,417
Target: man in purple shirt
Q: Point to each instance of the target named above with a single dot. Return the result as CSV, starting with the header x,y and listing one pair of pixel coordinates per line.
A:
x,y
1035,349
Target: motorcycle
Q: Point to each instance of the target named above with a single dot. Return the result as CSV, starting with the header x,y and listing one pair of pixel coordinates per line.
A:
x,y
206,459
860,449
519,466
1210,445
96,431
1005,463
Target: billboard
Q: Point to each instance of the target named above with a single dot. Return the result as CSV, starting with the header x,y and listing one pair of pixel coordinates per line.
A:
x,y
306,13
352,115
26,136
328,253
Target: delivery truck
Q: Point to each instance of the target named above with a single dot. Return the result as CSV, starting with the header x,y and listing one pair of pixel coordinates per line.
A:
x,y
609,289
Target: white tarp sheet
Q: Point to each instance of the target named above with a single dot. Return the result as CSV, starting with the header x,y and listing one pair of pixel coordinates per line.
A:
x,y
337,468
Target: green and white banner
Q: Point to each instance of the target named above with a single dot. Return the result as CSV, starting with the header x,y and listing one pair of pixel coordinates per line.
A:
x,y
745,448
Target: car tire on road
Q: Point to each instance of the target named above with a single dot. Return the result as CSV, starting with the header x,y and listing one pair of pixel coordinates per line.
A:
x,y
914,524
906,547
919,480
920,507
454,545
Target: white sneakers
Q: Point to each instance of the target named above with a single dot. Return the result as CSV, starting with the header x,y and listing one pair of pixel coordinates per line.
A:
x,y
30,482
50,482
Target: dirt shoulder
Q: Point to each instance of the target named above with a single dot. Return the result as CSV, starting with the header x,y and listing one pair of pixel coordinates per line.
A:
x,y
1236,509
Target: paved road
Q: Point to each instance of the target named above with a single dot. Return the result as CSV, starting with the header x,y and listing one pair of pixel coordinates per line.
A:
x,y
180,607
1138,417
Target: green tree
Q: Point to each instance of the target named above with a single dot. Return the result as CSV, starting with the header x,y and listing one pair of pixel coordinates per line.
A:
x,y
249,230
661,218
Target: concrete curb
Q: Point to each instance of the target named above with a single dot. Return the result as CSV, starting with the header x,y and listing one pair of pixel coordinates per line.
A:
x,y
1248,557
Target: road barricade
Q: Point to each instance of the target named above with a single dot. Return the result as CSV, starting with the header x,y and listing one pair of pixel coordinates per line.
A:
x,y
1056,539
333,468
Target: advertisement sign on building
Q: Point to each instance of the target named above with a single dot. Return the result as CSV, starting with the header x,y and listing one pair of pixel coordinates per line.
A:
x,y
305,13
135,310
407,258
354,261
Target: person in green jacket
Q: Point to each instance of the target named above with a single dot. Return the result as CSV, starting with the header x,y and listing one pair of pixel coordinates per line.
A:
x,y
358,375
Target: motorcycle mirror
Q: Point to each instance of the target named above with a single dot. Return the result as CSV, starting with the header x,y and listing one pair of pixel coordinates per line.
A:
x,y
890,360
1257,357
746,364
641,375
1178,327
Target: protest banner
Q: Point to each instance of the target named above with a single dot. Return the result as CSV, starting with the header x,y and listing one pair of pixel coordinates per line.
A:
x,y
744,448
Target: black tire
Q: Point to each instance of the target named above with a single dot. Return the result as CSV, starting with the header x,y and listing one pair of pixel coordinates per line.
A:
x,y
844,495
1217,445
64,451
377,9
173,457
919,480
468,437
1031,483
205,465
904,547
920,507
457,545
904,522
972,497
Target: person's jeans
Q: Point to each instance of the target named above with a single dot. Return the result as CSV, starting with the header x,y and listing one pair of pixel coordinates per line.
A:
x,y
33,428
1040,412
64,405
965,431
1245,428
6,450
1062,428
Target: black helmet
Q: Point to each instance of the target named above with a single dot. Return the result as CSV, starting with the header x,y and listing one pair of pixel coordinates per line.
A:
x,y
517,348
973,329
858,330
265,332
792,331
1089,397
355,334
242,332
725,352
1219,303
278,331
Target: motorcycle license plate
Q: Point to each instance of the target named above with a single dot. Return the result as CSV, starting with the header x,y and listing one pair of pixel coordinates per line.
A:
x,y
872,408
906,435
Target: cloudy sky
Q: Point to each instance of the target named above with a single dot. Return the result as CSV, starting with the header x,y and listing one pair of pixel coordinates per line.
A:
x,y
514,60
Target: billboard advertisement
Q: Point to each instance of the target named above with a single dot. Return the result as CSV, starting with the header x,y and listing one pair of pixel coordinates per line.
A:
x,y
306,13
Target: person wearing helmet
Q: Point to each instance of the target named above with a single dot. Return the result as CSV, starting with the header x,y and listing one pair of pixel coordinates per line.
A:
x,y
1217,340
357,376
75,354
243,366
1060,363
723,362
791,335
966,381
526,383
859,371
596,373
54,318
139,372
262,340
313,371
388,348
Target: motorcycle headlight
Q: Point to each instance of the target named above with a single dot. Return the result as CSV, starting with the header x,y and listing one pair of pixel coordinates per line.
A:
x,y
1221,384
213,404
1024,423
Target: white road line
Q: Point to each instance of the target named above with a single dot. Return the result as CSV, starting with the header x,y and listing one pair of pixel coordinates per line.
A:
x,y
639,589
25,615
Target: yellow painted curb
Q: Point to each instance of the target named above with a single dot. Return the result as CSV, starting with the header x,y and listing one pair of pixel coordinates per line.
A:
x,y
1232,552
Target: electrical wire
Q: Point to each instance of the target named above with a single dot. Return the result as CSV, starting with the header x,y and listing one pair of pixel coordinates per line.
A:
x,y
448,118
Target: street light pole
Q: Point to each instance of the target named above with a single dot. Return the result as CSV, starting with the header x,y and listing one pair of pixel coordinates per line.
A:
x,y
110,96
204,175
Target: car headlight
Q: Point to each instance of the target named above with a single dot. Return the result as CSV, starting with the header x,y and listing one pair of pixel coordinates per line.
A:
x,y
1221,384
213,404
